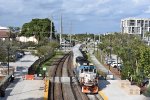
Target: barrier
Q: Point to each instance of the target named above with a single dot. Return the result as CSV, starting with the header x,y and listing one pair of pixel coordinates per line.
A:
x,y
4,83
29,77
46,87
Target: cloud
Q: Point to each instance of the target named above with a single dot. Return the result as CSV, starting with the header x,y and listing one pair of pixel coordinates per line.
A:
x,y
140,2
102,14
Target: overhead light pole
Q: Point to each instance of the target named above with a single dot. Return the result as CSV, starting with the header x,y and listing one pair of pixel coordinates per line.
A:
x,y
110,50
61,30
94,43
8,49
51,29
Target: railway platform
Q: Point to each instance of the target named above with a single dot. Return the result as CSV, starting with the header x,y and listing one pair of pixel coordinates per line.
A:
x,y
24,90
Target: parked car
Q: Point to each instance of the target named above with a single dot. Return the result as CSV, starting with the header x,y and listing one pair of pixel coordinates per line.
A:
x,y
110,61
4,64
120,67
19,54
115,64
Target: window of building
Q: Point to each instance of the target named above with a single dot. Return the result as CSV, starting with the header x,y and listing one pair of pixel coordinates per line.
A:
x,y
146,23
129,29
133,30
138,29
132,22
138,23
142,23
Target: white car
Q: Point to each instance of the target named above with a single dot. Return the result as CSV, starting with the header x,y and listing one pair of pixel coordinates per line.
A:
x,y
115,65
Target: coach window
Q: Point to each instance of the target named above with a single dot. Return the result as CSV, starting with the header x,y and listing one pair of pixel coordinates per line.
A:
x,y
86,70
94,70
81,70
90,70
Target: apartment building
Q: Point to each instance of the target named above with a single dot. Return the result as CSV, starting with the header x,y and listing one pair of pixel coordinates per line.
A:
x,y
137,26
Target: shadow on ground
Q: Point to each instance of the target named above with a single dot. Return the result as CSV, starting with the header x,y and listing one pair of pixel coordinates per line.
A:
x,y
102,83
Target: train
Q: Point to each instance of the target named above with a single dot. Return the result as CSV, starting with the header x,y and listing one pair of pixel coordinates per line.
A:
x,y
85,71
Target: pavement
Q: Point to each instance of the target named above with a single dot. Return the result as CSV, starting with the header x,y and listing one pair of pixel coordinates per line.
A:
x,y
113,91
25,62
24,89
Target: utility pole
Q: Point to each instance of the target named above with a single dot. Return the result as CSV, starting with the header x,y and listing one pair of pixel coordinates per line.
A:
x,y
8,57
8,48
94,43
70,33
61,31
99,38
110,50
51,32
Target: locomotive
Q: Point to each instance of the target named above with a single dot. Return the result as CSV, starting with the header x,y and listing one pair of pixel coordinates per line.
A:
x,y
85,71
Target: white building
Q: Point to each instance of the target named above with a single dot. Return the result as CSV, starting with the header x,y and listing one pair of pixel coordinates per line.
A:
x,y
27,39
135,26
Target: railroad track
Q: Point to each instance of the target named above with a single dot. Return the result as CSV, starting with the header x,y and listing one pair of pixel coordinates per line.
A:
x,y
55,81
94,97
63,83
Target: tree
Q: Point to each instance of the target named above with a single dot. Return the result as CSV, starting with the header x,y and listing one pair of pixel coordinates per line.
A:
x,y
14,29
144,61
46,49
53,44
147,35
3,54
147,93
39,27
133,52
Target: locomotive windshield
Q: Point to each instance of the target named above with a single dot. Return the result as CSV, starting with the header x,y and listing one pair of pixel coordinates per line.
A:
x,y
90,70
87,69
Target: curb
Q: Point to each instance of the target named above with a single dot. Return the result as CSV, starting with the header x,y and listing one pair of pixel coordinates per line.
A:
x,y
46,87
103,95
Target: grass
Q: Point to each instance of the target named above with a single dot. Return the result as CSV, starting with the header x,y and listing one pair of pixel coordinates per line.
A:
x,y
48,62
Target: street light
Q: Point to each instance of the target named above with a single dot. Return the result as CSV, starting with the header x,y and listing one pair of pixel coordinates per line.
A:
x,y
110,54
8,49
110,50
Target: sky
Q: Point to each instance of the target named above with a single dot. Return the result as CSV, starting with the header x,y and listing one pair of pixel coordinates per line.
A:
x,y
78,16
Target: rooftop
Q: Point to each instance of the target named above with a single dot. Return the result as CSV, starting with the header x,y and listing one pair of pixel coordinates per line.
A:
x,y
133,18
4,28
4,33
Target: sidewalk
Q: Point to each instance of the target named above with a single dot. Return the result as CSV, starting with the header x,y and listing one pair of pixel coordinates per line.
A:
x,y
100,66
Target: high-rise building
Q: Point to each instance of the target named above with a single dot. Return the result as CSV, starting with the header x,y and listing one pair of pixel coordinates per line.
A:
x,y
135,26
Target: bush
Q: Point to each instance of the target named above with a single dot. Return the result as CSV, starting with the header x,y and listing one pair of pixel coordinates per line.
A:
x,y
147,93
